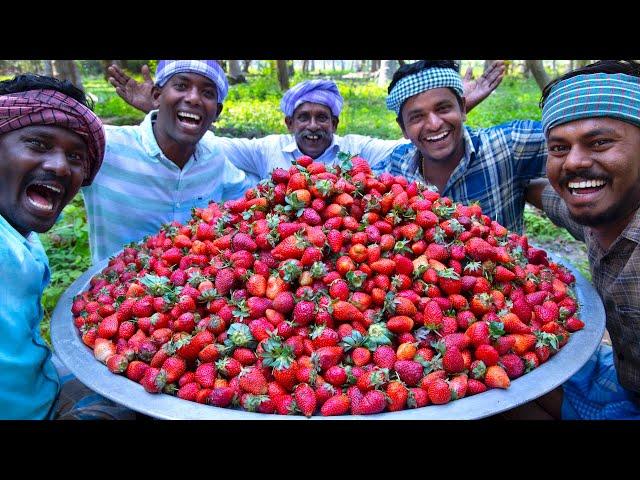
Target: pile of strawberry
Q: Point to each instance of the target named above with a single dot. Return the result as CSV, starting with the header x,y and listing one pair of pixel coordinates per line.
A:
x,y
328,290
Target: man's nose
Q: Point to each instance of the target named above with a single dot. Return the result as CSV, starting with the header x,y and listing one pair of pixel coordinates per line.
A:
x,y
57,163
577,159
434,122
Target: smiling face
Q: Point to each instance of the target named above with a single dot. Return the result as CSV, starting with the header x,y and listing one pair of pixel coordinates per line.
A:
x,y
433,121
188,105
594,164
41,170
313,126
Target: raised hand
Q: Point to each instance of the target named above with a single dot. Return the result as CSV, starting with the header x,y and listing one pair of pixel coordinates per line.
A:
x,y
136,94
475,91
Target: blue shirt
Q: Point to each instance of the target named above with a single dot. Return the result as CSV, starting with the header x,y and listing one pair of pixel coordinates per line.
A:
x,y
28,379
138,188
497,165
260,156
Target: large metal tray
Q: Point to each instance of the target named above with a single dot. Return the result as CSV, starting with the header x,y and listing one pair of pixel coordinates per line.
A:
x,y
80,360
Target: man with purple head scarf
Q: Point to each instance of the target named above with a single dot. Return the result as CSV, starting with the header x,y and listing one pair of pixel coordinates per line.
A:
x,y
312,109
51,143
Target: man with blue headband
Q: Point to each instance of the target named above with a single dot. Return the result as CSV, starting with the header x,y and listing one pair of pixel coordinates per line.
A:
x,y
157,172
492,166
591,119
312,109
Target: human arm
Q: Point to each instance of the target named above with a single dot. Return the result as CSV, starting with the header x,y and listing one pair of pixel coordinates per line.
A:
x,y
475,91
533,192
136,94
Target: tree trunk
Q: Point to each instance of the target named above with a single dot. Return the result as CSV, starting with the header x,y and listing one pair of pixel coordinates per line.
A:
x,y
283,77
245,66
235,73
305,66
387,69
539,73
48,68
105,64
375,65
571,65
67,70
312,66
291,68
359,65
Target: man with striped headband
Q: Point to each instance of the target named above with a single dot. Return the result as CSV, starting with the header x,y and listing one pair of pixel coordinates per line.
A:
x,y
312,109
157,172
51,143
591,118
492,166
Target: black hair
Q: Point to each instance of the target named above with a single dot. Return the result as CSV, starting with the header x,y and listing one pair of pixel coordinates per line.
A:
x,y
31,81
411,68
629,67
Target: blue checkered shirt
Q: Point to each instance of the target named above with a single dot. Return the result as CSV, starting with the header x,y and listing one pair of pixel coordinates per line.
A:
x,y
497,165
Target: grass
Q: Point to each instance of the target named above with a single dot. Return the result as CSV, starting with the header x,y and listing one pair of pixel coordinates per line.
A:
x,y
253,110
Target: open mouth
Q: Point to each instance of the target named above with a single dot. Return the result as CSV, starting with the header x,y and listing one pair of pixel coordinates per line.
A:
x,y
44,197
585,187
313,137
188,118
439,137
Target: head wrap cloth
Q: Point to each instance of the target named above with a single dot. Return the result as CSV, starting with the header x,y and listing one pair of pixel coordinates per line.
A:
x,y
210,69
50,107
426,79
324,92
593,95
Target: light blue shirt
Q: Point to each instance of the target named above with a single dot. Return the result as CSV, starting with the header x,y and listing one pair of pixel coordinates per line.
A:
x,y
29,382
260,156
138,188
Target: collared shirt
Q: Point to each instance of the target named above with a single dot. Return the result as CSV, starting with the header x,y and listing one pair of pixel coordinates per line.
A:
x,y
260,156
616,276
28,377
497,165
138,188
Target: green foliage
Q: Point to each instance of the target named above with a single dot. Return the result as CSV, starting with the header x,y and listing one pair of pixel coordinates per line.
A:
x,y
538,225
67,246
108,105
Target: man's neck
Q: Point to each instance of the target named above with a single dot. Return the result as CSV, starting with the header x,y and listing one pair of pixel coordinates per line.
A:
x,y
438,172
608,233
179,154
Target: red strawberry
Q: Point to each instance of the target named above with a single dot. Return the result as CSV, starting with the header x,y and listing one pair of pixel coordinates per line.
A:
x,y
453,361
336,376
417,398
384,356
306,399
221,396
117,363
398,395
475,386
153,380
439,392
574,324
496,377
458,386
372,402
409,371
173,368
135,370
224,281
512,364
336,405
206,375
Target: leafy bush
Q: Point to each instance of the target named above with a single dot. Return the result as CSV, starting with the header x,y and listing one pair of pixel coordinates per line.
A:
x,y
67,246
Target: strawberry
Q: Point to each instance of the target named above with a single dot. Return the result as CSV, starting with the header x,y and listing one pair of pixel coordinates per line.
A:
x,y
189,391
523,342
496,377
303,312
103,349
400,324
135,370
344,311
372,402
221,396
224,281
531,361
108,327
173,368
572,324
502,274
478,249
409,371
458,386
512,324
206,375
512,364
251,380
439,392
384,356
397,394
417,398
117,363
475,386
305,399
336,405
153,380
360,356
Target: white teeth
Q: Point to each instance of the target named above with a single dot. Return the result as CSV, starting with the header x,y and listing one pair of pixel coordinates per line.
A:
x,y
312,137
189,115
437,137
586,184
41,206
52,188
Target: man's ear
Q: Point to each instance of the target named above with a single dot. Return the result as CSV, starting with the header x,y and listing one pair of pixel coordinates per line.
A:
x,y
404,133
218,111
288,121
334,122
155,96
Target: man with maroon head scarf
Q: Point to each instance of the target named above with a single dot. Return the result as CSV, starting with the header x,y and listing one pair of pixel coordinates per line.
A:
x,y
51,143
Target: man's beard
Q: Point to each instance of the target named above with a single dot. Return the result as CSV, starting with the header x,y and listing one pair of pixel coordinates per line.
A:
x,y
611,215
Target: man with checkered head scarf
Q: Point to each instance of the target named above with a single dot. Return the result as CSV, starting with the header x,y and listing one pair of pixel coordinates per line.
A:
x,y
492,166
157,172
591,118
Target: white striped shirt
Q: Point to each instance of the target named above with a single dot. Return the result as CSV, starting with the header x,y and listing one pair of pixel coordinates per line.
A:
x,y
138,188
